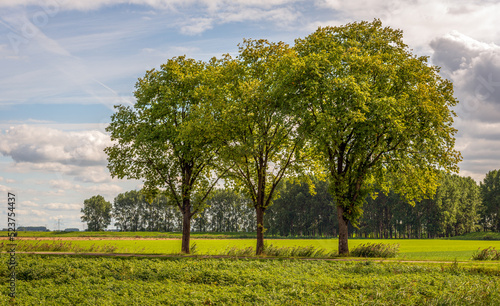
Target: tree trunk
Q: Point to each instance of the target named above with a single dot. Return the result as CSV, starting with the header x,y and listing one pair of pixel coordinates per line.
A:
x,y
343,232
260,229
186,228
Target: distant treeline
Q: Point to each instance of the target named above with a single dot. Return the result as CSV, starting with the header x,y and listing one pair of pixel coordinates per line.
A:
x,y
459,206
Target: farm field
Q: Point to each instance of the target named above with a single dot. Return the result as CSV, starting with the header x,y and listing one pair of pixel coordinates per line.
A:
x,y
410,249
51,280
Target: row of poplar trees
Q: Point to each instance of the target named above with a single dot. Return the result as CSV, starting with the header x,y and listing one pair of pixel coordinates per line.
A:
x,y
349,103
459,206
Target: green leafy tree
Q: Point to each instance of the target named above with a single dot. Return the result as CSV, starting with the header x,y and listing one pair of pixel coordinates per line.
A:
x,y
263,144
133,212
490,191
166,138
228,211
376,113
128,211
97,213
297,212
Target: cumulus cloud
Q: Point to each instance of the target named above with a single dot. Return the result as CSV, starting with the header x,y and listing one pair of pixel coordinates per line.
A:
x,y
32,144
62,206
474,68
422,20
77,154
202,16
107,188
56,5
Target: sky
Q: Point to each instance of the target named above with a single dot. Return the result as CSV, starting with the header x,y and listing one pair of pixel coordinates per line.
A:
x,y
64,64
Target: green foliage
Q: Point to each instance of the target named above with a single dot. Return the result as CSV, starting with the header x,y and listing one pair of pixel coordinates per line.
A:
x,y
166,138
193,249
375,113
51,280
297,251
133,212
299,213
239,252
478,236
227,211
453,210
97,213
375,250
489,253
490,191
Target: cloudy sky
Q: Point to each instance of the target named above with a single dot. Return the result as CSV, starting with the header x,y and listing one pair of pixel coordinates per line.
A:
x,y
65,63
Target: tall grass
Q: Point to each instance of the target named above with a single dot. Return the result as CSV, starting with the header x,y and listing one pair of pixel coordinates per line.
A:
x,y
59,246
375,250
489,253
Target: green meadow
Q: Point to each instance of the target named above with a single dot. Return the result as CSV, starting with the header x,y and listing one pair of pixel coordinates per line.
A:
x,y
409,249
425,272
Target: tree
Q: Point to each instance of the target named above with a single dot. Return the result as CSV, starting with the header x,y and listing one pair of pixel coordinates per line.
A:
x,y
97,213
376,114
297,212
263,142
227,211
166,140
128,211
133,212
490,191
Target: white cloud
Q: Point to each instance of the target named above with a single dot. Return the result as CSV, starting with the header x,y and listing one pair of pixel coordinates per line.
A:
x,y
76,154
422,20
197,26
23,213
29,204
55,5
474,68
62,206
31,144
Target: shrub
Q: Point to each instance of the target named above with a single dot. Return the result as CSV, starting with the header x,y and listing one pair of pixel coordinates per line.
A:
x,y
375,250
486,254
275,251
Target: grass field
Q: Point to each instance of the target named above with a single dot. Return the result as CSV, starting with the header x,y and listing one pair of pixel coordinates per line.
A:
x,y
442,273
410,249
81,280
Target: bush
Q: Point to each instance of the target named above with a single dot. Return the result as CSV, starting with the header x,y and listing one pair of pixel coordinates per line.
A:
x,y
275,251
487,254
375,250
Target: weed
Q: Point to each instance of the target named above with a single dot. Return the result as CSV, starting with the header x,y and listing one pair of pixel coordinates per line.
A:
x,y
375,250
193,249
490,253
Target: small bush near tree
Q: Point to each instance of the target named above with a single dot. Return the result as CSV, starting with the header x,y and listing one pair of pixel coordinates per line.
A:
x,y
375,250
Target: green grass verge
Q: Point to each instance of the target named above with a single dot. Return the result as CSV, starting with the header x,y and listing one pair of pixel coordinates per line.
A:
x,y
410,249
478,236
61,280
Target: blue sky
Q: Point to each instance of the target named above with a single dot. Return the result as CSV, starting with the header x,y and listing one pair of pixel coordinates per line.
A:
x,y
65,63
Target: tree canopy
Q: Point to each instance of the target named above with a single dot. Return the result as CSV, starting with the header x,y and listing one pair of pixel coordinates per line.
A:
x,y
262,143
166,140
376,113
97,213
351,101
490,191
